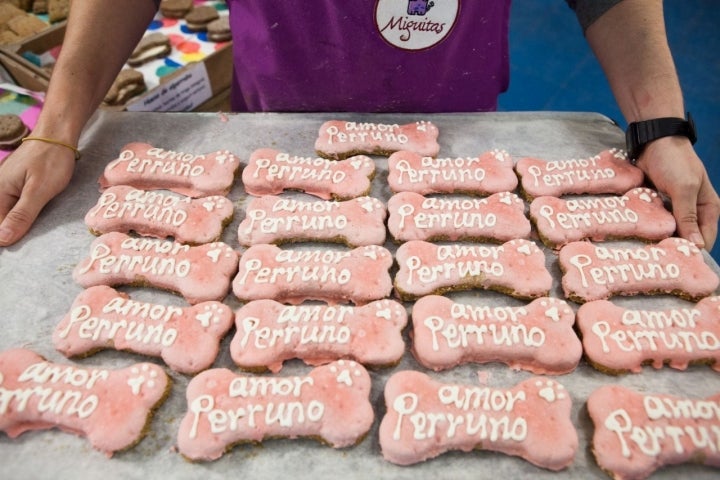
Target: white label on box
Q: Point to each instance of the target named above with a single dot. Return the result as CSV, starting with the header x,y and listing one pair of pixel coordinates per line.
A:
x,y
183,93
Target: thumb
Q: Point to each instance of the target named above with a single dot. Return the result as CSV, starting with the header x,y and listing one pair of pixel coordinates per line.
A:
x,y
684,205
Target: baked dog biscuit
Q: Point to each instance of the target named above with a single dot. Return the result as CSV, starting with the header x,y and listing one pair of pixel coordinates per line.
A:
x,y
199,273
488,173
112,408
620,340
497,218
330,404
340,139
358,276
426,418
160,214
638,433
151,46
219,30
538,337
270,172
278,220
12,131
175,8
141,165
268,333
187,339
516,268
639,214
128,84
674,266
199,17
607,172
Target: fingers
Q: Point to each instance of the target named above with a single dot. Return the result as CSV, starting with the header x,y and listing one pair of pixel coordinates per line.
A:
x,y
18,219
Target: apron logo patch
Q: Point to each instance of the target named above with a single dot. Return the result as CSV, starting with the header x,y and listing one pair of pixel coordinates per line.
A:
x,y
415,24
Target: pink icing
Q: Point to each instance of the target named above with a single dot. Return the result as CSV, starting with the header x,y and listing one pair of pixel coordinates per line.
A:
x,y
639,213
109,407
516,267
490,172
143,166
157,214
270,172
198,273
187,339
426,418
499,217
358,276
338,139
624,340
635,434
330,403
607,172
269,333
674,266
538,337
271,219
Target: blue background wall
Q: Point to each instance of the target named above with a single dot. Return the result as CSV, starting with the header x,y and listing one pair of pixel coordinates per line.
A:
x,y
553,68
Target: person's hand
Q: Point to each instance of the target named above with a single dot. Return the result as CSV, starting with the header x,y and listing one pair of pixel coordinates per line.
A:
x,y
29,178
675,169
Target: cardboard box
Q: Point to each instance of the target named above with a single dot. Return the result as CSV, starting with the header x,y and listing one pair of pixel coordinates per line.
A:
x,y
197,86
25,73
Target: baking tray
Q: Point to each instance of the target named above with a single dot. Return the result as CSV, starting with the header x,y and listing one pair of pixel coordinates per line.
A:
x,y
37,290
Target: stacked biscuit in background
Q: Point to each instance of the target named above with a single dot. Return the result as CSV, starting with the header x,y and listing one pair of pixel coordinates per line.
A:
x,y
20,19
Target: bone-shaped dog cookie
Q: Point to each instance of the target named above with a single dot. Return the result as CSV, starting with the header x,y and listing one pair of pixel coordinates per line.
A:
x,y
358,276
198,273
426,418
635,433
112,408
269,333
639,214
270,172
488,173
516,268
157,214
607,172
278,220
538,337
619,340
673,266
331,404
498,218
338,139
143,166
187,339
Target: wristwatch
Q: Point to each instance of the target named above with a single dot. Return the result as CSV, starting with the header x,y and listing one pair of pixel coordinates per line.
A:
x,y
639,134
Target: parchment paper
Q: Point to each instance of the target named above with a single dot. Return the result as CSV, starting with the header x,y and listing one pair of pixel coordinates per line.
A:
x,y
36,290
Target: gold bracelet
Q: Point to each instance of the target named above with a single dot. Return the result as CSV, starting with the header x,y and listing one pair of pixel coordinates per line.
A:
x,y
55,142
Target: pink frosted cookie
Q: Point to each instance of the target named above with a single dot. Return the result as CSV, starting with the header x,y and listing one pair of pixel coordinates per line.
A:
x,y
674,266
278,220
143,166
293,276
330,404
635,434
339,139
426,418
608,172
112,408
187,339
538,337
516,268
499,218
619,340
157,214
197,273
270,172
488,173
639,214
269,333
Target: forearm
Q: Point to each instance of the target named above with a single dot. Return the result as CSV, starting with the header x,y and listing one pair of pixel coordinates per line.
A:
x,y
99,38
630,43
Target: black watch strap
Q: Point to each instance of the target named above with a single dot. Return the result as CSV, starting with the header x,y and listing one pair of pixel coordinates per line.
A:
x,y
641,133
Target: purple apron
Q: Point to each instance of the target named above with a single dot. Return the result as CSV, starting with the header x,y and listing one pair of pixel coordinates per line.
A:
x,y
369,55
